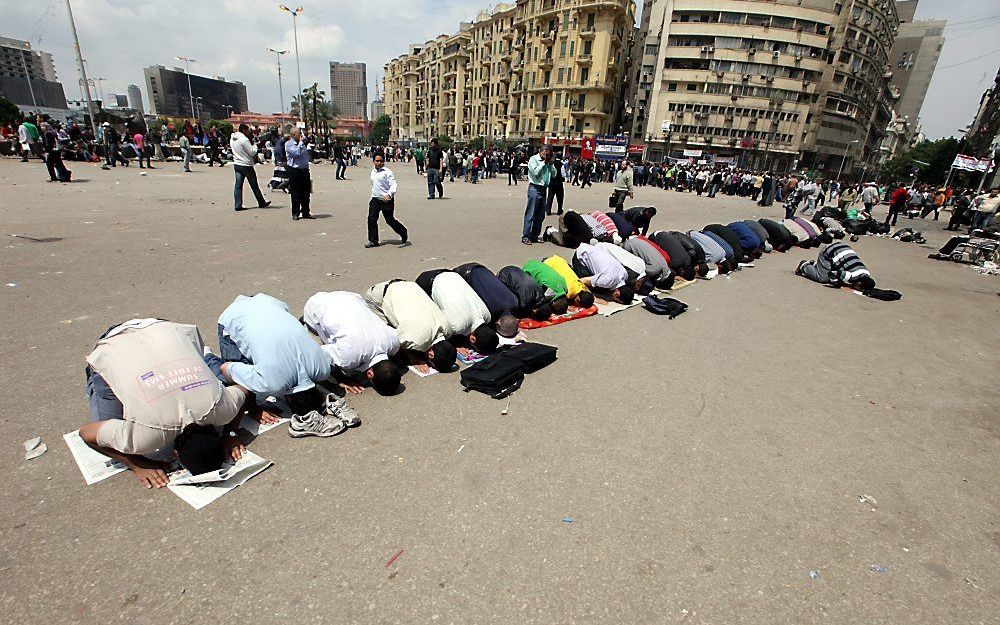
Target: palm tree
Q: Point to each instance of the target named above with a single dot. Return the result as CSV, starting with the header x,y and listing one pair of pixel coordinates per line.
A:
x,y
316,105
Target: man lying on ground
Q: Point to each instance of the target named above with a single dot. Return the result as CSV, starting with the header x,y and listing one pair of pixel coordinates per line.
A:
x,y
422,328
778,235
603,274
575,229
761,233
657,266
680,261
749,240
577,292
500,302
268,352
358,343
531,299
152,386
740,255
837,265
552,284
714,253
466,312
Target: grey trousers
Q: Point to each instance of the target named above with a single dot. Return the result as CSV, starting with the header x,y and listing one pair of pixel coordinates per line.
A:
x,y
813,272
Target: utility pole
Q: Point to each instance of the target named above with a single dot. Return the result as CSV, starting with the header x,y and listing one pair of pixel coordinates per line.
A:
x,y
83,71
187,70
27,75
281,94
298,67
315,116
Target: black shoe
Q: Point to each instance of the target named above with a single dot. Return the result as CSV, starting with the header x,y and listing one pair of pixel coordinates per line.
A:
x,y
370,245
265,204
240,208
295,218
308,217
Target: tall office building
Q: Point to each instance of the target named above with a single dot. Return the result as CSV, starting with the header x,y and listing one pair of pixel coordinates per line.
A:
x,y
24,72
349,89
523,72
913,58
214,97
135,98
777,84
378,109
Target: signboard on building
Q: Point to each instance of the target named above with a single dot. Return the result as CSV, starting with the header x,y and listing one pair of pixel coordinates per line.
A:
x,y
636,149
611,147
587,149
694,153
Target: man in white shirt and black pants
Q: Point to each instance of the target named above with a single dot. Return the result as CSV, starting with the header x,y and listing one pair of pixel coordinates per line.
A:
x,y
244,157
383,201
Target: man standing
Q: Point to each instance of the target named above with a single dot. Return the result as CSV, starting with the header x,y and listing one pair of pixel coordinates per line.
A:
x,y
896,203
383,201
299,183
435,170
53,156
540,173
338,155
185,145
244,157
623,185
142,149
984,208
27,136
555,188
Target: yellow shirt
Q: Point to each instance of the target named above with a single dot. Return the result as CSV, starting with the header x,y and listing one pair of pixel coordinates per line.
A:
x,y
573,284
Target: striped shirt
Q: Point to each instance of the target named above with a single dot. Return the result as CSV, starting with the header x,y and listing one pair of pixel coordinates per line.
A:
x,y
605,221
596,229
842,264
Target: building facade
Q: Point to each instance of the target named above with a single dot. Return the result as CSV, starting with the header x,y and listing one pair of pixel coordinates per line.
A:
x,y
349,89
135,99
779,85
214,97
913,59
523,72
983,137
378,109
28,77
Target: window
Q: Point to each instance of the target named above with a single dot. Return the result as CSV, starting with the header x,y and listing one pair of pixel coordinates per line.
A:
x,y
692,86
650,49
672,86
562,48
584,75
572,48
558,100
590,20
588,47
562,73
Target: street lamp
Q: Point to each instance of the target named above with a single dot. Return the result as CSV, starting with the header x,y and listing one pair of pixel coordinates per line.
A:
x,y
199,102
187,70
295,33
844,158
281,94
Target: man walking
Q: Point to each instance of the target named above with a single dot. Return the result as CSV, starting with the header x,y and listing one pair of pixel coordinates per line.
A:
x,y
623,185
244,157
383,201
299,183
435,170
185,145
141,149
540,172
338,156
53,156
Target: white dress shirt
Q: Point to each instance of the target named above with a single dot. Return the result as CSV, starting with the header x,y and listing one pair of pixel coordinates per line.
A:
x,y
464,309
607,272
383,183
353,336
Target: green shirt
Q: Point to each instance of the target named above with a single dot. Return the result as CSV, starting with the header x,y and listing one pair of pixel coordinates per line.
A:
x,y
539,172
546,276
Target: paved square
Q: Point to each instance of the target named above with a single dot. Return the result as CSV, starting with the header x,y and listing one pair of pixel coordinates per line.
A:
x,y
708,463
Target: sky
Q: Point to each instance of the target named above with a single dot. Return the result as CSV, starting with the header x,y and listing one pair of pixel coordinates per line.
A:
x,y
230,38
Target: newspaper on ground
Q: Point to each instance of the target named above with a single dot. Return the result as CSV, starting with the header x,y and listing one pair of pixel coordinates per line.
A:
x,y
201,490
257,428
520,337
423,370
609,308
94,465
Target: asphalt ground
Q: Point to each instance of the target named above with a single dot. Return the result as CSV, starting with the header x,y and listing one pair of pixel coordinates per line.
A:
x,y
708,463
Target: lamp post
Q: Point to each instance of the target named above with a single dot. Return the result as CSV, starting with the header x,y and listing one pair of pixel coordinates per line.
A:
x,y
198,102
83,70
281,94
298,68
187,70
844,159
27,75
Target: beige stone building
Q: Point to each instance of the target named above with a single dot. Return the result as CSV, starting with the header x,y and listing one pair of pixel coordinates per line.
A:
x,y
526,70
776,84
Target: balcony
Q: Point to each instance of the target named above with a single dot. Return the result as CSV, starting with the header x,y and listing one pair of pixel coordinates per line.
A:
x,y
509,33
545,62
549,37
541,113
518,68
592,85
588,112
587,32
486,59
504,76
584,59
519,44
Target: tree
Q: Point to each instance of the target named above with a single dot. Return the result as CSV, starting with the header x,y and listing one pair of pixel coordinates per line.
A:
x,y
224,127
9,113
928,160
445,142
381,129
478,143
325,110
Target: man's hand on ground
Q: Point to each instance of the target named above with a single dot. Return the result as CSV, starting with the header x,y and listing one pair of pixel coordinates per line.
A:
x,y
351,388
265,417
151,477
233,448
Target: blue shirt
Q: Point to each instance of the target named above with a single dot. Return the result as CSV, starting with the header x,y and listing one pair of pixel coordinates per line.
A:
x,y
285,358
297,154
498,298
730,252
748,238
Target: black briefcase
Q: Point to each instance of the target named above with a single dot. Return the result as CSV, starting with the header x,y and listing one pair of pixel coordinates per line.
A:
x,y
535,356
497,375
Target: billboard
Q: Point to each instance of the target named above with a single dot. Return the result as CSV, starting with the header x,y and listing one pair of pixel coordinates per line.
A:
x,y
611,147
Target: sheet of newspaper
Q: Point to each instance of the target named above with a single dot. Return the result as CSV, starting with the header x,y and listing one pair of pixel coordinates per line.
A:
x,y
201,490
94,465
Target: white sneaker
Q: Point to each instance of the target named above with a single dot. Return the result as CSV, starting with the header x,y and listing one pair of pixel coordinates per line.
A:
x,y
337,407
315,424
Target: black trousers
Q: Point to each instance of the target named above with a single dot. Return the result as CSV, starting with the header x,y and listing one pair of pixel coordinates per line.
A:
x,y
957,216
555,193
54,163
299,186
377,206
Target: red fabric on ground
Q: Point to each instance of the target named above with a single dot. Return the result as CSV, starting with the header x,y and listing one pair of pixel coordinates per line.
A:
x,y
572,313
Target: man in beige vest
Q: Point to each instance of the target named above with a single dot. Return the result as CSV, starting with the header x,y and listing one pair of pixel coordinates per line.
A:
x,y
153,388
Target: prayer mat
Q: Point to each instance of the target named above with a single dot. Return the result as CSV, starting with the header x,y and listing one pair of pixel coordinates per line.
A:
x,y
572,313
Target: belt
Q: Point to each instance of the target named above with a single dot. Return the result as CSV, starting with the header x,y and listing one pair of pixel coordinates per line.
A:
x,y
533,184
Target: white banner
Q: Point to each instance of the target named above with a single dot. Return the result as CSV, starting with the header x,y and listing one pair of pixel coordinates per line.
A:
x,y
695,153
971,163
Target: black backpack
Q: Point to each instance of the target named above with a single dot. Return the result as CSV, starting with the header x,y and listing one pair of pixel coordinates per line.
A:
x,y
497,375
664,306
533,356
